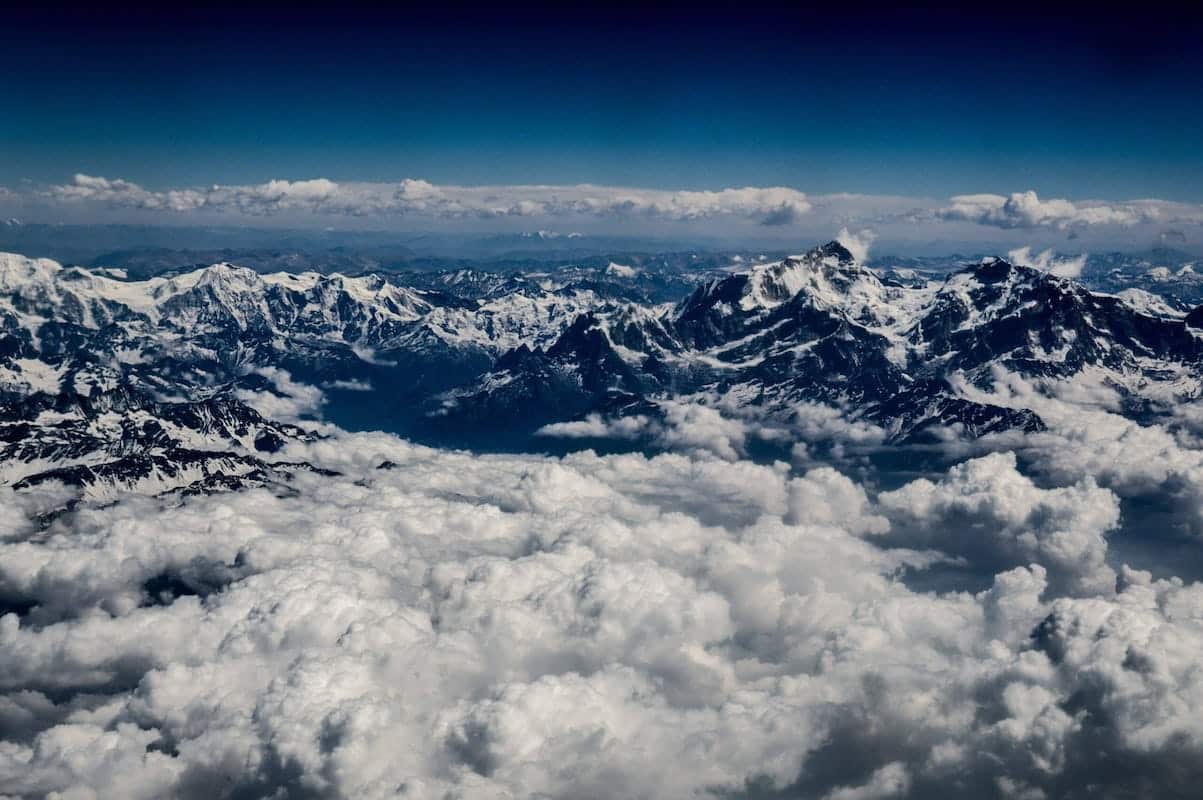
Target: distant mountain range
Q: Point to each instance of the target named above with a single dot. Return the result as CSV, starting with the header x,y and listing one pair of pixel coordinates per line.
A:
x,y
200,379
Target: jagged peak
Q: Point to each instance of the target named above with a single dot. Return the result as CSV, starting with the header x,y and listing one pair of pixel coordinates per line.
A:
x,y
833,249
993,269
826,273
225,274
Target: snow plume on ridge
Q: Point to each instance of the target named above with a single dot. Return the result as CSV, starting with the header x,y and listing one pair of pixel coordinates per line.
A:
x,y
856,243
516,626
1047,261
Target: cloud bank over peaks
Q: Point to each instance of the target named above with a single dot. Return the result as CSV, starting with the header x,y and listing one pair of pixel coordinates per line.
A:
x,y
768,206
1027,210
764,212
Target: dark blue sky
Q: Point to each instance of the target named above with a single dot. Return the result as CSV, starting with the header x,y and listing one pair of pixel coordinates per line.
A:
x,y
928,103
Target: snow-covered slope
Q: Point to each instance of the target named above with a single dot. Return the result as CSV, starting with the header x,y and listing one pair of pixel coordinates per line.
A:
x,y
86,357
110,381
822,328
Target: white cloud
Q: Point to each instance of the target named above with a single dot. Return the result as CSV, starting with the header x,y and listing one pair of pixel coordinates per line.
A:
x,y
621,270
543,211
768,205
892,780
124,193
1160,465
1047,261
995,518
708,423
1027,210
817,422
856,243
595,426
683,425
1087,438
512,626
353,385
288,400
695,427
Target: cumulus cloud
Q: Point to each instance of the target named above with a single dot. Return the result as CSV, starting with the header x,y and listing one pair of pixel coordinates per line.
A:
x,y
1086,437
544,210
280,397
120,192
1155,468
1027,210
892,780
694,427
815,422
988,513
719,425
680,425
588,626
411,197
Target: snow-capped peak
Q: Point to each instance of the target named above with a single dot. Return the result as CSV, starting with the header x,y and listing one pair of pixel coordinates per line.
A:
x,y
18,272
824,273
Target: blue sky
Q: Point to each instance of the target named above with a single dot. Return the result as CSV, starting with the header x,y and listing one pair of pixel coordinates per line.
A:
x,y
925,104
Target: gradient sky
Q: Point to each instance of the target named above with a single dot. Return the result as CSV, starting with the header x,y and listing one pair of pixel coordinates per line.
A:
x,y
931,103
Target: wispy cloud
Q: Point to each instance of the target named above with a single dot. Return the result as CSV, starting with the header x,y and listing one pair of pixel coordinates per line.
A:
x,y
1048,261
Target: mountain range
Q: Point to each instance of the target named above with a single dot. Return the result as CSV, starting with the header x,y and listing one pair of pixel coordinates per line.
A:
x,y
199,379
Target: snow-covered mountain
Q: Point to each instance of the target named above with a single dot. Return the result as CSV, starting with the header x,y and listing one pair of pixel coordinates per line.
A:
x,y
96,369
822,328
199,377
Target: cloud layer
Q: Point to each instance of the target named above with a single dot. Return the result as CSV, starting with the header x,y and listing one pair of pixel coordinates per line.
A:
x,y
765,209
423,623
409,622
768,206
1027,210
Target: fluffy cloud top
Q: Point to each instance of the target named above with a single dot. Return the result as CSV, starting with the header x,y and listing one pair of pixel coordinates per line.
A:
x,y
1027,210
514,626
996,518
719,426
